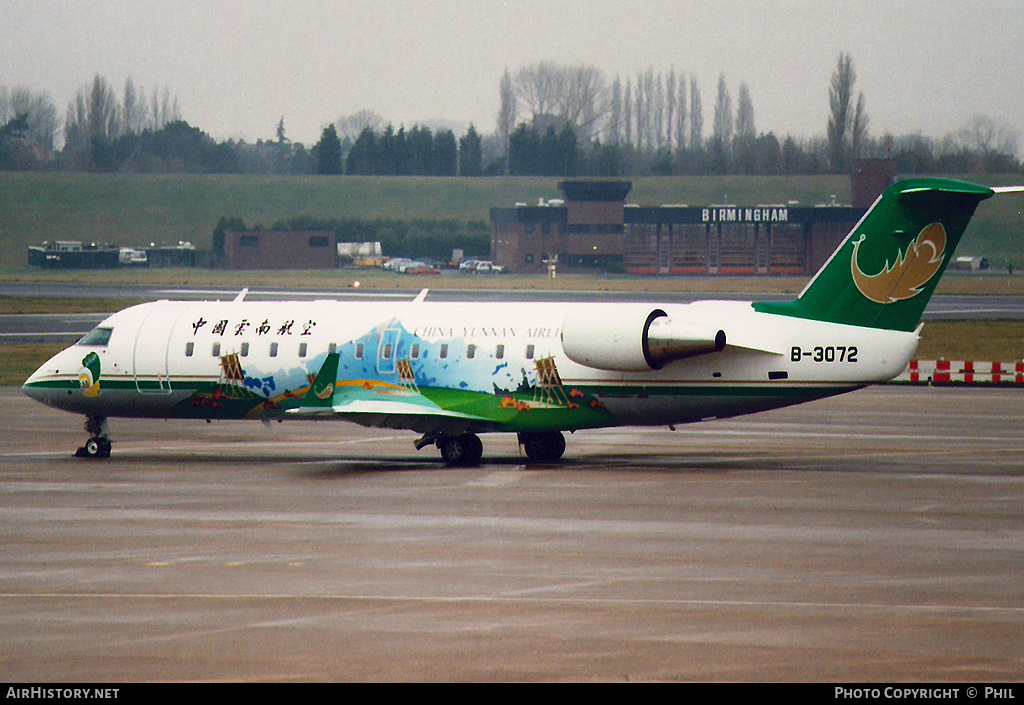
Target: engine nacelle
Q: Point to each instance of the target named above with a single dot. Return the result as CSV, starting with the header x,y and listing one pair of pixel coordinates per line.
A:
x,y
634,338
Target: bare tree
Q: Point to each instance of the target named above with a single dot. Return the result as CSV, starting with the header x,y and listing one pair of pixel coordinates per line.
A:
x,y
670,107
845,116
658,109
614,132
38,107
577,95
134,111
627,112
582,99
722,129
985,136
350,126
745,128
506,112
859,128
537,86
680,126
696,116
163,109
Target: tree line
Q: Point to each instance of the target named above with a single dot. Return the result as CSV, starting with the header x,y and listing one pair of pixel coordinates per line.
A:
x,y
553,120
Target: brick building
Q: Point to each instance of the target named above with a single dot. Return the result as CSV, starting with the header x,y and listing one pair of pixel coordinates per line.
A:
x,y
593,228
275,249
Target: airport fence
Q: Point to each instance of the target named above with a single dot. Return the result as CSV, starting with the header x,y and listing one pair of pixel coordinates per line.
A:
x,y
962,372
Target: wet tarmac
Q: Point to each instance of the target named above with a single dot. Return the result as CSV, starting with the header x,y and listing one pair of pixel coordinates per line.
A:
x,y
877,536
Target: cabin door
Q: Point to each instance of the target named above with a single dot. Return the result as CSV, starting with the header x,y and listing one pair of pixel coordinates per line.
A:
x,y
387,350
152,349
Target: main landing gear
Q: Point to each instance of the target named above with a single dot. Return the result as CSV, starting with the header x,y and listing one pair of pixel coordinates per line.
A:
x,y
457,451
466,450
98,445
546,447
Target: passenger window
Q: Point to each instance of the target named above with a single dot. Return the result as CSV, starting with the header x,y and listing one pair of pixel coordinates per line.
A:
x,y
529,352
332,348
216,350
414,351
245,349
273,350
359,351
500,352
189,349
443,354
302,349
387,351
470,351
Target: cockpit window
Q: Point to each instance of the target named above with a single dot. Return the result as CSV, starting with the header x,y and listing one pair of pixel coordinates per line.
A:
x,y
97,336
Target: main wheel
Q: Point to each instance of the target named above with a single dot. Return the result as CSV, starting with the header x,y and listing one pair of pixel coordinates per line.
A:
x,y
546,447
462,451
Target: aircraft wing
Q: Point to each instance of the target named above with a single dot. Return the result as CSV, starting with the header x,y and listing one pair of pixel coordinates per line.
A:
x,y
392,414
376,405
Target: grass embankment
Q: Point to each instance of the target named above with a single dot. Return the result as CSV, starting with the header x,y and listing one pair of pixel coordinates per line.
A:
x,y
134,209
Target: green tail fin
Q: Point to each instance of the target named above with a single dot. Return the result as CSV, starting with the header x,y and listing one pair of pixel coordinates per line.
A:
x,y
886,270
321,391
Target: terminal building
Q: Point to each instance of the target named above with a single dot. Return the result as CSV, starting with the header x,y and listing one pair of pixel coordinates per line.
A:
x,y
593,228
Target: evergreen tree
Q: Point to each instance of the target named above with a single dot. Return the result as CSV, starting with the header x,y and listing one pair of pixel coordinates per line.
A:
x,y
470,153
327,152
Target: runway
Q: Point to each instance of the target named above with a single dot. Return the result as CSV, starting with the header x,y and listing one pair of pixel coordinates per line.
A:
x,y
877,536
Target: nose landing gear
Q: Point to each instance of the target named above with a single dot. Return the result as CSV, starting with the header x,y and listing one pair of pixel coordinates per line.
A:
x,y
98,445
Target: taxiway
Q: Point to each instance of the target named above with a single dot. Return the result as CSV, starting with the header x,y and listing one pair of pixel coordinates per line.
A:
x,y
877,536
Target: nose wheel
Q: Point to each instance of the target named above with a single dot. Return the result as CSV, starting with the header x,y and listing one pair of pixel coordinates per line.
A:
x,y
98,445
95,447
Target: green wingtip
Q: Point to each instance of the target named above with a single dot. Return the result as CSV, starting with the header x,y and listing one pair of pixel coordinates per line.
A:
x,y
321,391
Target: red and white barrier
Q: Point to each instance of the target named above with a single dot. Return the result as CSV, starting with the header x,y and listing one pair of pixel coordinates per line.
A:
x,y
962,372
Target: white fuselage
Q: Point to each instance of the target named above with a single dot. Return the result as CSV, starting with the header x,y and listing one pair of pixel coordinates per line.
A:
x,y
199,359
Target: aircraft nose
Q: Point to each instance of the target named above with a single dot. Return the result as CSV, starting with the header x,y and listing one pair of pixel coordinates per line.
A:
x,y
42,385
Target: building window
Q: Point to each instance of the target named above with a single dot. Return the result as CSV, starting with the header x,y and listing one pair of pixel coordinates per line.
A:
x,y
248,241
318,241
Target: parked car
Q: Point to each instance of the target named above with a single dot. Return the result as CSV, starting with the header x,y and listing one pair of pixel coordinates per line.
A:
x,y
482,266
395,263
488,267
419,268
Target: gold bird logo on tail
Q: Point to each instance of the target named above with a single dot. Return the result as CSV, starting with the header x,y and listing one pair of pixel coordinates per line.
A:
x,y
911,270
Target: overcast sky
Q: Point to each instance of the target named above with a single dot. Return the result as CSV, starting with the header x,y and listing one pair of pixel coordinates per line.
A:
x,y
238,66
